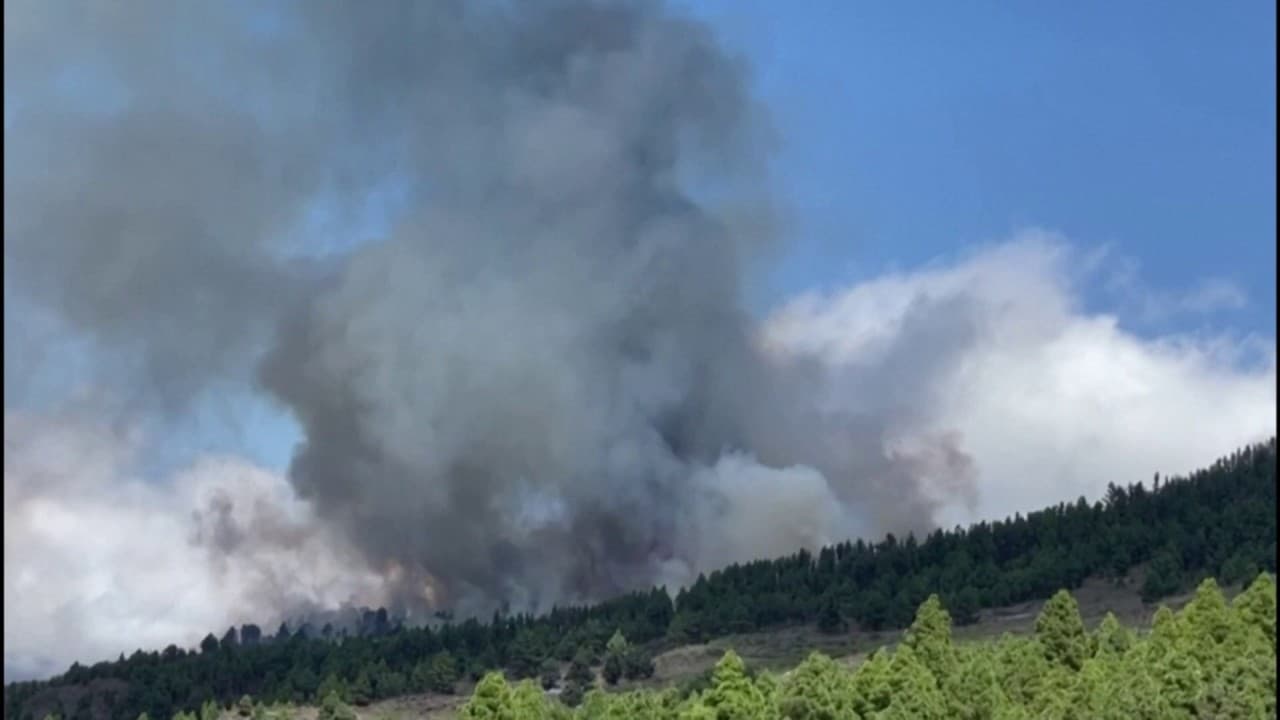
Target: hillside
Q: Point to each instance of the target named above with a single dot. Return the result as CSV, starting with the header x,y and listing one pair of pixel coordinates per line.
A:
x,y
778,650
1137,544
781,650
1211,659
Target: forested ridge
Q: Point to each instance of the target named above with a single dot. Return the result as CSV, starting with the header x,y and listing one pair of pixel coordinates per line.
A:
x,y
1220,522
1210,660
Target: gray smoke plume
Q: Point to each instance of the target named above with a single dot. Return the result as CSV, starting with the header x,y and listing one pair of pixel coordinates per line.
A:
x,y
542,385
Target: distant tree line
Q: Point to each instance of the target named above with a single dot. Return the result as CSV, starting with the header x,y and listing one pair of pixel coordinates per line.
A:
x,y
1219,521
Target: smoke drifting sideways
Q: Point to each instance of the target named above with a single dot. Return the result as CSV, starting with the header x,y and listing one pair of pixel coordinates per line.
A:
x,y
100,560
541,386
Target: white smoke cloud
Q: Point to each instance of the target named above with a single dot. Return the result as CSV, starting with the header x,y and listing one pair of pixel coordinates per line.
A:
x,y
740,520
1144,304
98,561
1050,401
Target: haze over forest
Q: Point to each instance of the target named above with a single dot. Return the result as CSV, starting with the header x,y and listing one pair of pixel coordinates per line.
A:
x,y
454,305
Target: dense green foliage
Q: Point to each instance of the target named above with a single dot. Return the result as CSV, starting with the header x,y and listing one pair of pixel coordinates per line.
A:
x,y
1218,521
1211,660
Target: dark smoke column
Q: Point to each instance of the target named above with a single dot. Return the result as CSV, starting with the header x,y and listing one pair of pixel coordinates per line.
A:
x,y
513,393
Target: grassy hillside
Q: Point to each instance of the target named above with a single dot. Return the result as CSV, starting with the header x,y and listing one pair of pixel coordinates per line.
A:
x,y
1134,546
781,650
1210,660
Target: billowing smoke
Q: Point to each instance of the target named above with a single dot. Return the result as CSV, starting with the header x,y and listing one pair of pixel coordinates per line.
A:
x,y
537,381
541,385
100,561
528,390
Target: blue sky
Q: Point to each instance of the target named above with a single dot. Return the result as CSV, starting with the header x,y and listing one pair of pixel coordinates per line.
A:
x,y
912,130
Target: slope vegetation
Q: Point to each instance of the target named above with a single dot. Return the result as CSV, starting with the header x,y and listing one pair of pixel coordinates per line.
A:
x,y
1210,660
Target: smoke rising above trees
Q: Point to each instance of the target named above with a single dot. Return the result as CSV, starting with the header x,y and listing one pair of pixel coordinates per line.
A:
x,y
540,384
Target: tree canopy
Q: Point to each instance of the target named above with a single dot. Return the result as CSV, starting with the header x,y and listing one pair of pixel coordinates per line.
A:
x,y
1210,660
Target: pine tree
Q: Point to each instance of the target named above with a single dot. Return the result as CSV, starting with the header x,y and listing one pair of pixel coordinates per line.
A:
x,y
637,664
209,644
612,670
331,685
361,691
929,638
209,711
579,680
732,694
1256,606
817,689
1111,638
1021,665
614,659
492,700
529,703
1061,632
973,692
872,690
1207,615
913,689
617,644
1181,681
829,619
597,705
332,708
965,608
526,655
1164,576
443,673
